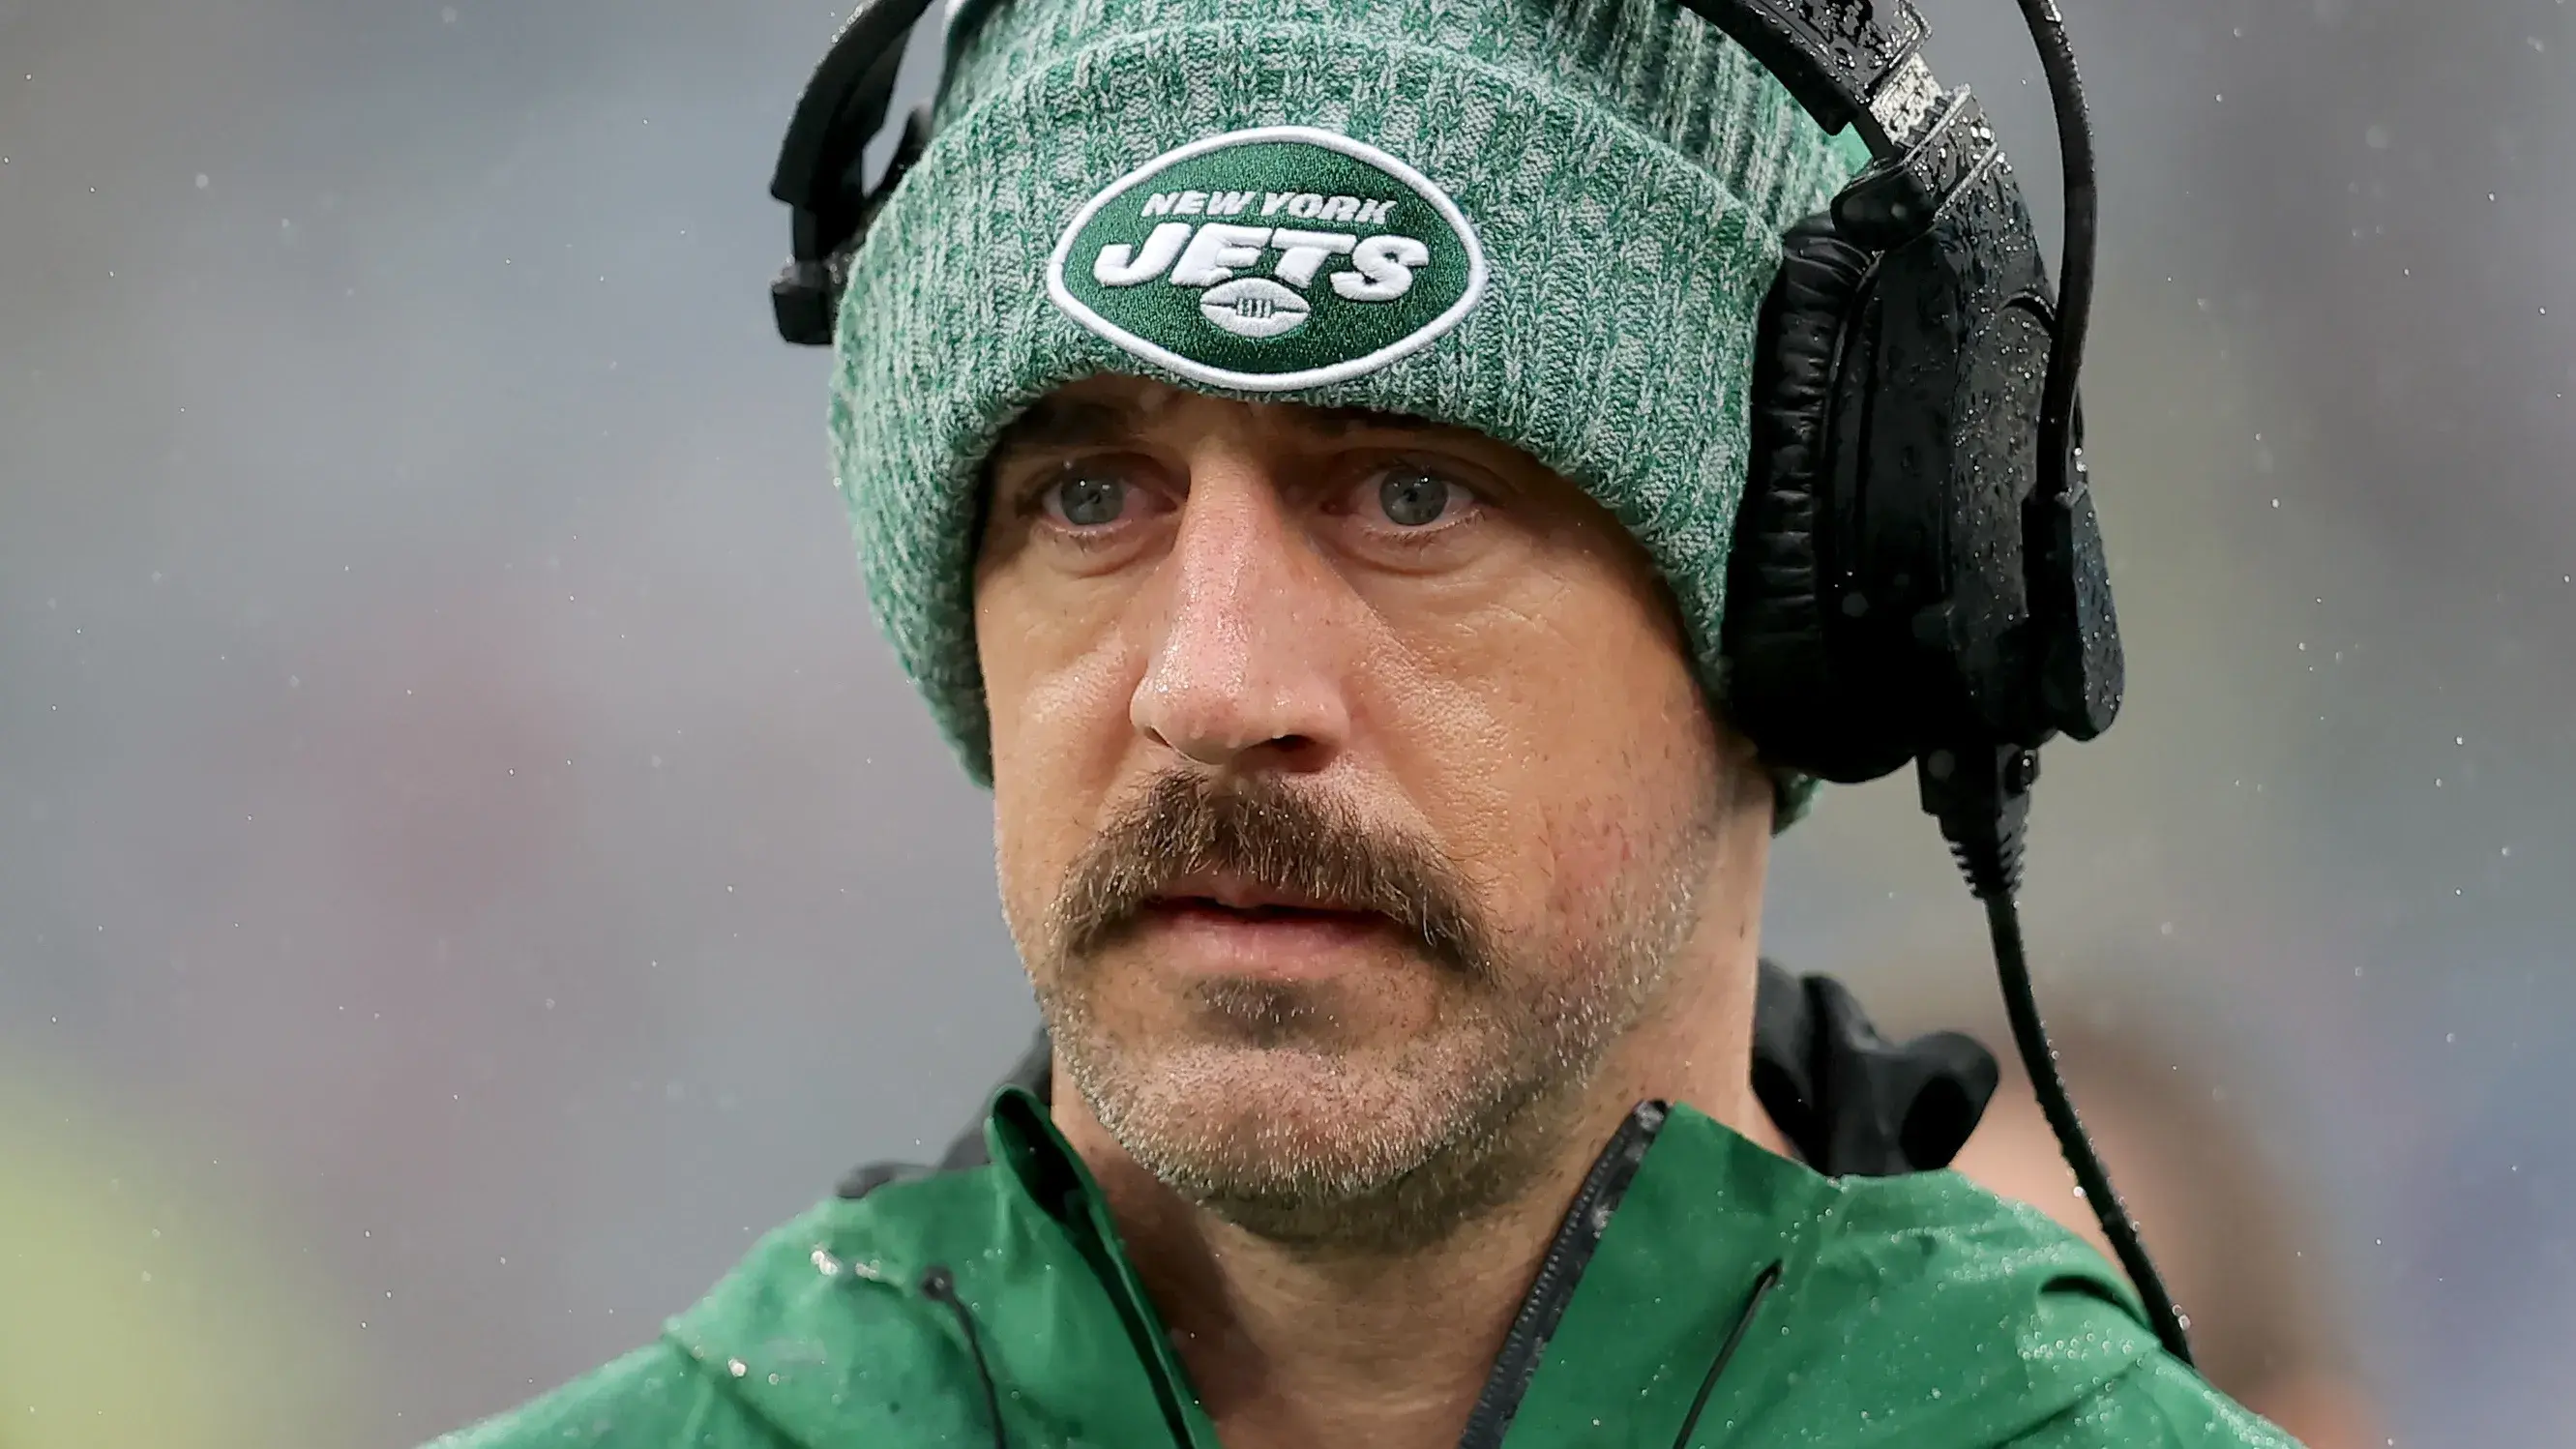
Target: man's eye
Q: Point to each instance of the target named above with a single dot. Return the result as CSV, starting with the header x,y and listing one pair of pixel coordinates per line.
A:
x,y
1086,499
1415,498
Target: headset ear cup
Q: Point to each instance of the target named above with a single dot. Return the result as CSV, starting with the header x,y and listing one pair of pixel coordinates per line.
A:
x,y
1782,691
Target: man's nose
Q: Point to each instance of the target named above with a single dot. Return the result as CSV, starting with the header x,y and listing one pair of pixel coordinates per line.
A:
x,y
1242,672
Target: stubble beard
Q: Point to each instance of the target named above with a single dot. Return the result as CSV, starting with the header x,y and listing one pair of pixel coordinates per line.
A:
x,y
1265,1113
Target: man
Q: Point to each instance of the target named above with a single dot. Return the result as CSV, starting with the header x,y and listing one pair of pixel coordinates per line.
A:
x,y
1296,457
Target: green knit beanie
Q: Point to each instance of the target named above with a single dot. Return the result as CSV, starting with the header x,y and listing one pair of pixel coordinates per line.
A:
x,y
1551,221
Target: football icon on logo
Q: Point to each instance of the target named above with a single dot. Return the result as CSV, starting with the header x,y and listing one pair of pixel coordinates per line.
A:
x,y
1255,307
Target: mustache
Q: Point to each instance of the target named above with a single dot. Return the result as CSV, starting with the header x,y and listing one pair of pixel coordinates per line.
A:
x,y
1276,837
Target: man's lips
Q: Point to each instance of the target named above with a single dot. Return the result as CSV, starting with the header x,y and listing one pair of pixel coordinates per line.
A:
x,y
1261,911
1229,893
1250,933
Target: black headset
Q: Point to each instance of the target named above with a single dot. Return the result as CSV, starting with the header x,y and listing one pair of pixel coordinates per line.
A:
x,y
1917,572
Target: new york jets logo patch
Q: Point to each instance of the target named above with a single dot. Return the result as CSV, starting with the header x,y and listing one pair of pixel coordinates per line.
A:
x,y
1270,259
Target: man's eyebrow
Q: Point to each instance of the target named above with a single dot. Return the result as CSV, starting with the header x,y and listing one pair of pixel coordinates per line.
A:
x,y
1057,424
1067,424
1348,420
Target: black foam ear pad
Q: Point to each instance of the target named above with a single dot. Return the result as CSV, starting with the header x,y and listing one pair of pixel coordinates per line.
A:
x,y
1781,687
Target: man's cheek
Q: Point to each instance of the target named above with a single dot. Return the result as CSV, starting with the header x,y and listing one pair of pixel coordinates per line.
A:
x,y
1584,848
1027,898
1054,692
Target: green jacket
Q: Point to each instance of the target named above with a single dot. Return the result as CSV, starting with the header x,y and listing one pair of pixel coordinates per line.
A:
x,y
1702,1292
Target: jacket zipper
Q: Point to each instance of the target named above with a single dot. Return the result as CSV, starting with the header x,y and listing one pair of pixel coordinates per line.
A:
x,y
1558,1272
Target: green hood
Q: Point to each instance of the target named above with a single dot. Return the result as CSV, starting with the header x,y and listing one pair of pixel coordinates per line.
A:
x,y
1917,1311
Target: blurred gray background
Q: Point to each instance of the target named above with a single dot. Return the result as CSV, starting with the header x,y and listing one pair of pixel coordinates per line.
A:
x,y
468,864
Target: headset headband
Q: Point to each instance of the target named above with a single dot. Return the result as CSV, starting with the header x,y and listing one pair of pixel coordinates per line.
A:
x,y
844,107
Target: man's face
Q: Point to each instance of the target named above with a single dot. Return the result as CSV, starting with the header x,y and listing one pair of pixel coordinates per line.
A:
x,y
1351,785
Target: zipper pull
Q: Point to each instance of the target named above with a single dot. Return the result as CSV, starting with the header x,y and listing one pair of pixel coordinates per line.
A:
x,y
1762,1287
940,1286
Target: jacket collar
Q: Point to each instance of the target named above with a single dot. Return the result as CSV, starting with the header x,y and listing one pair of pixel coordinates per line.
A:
x,y
1024,1143
1652,1270
1907,1311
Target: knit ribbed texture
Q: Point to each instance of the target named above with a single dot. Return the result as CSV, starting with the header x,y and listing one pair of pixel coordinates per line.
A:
x,y
1626,168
